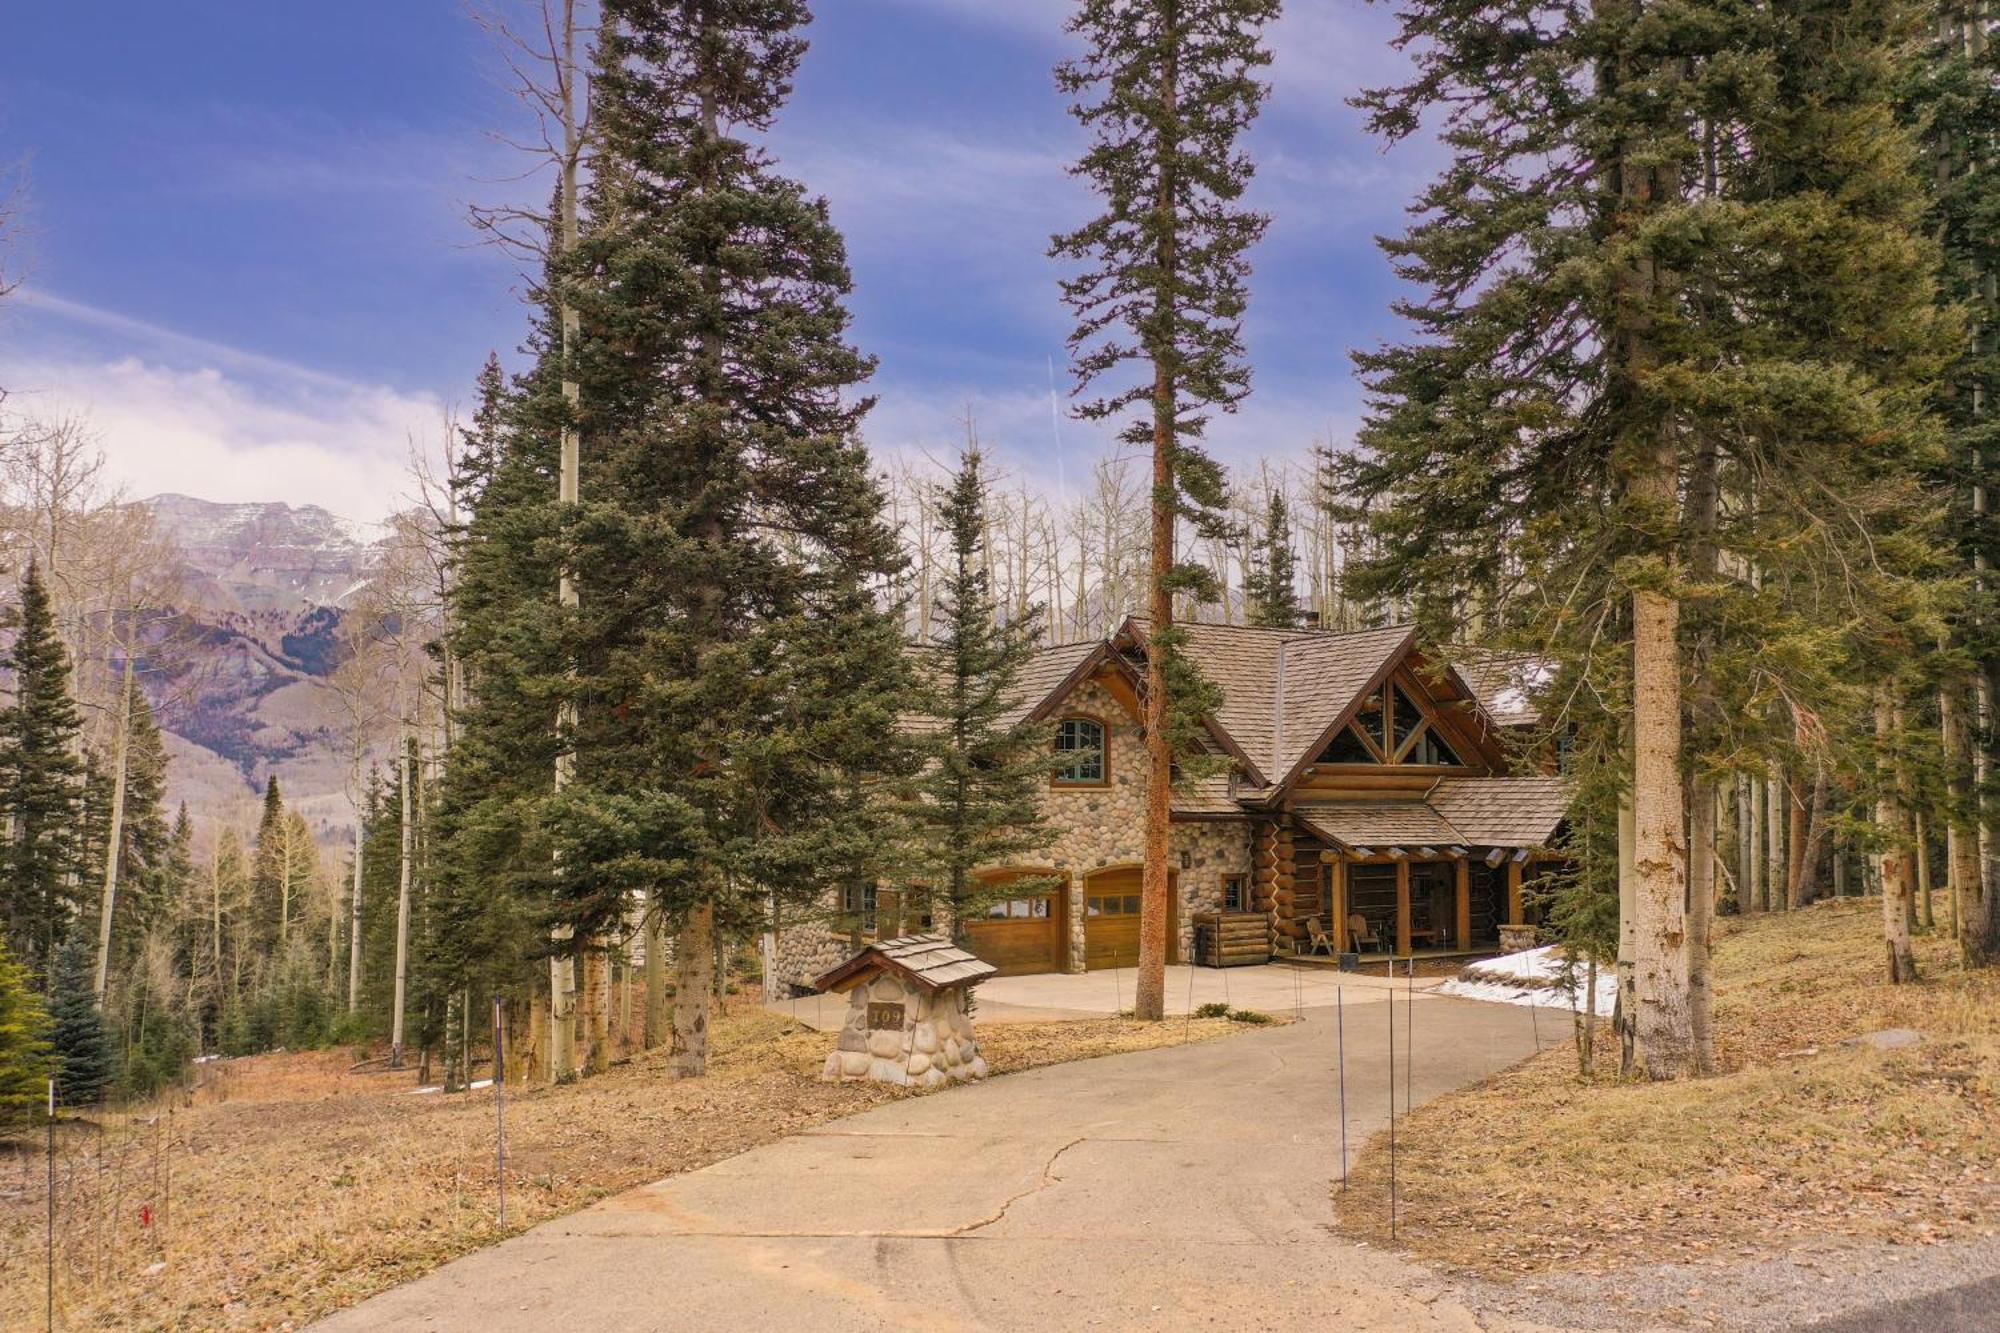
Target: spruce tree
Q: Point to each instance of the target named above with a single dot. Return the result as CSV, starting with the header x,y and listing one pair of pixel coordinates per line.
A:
x,y
978,799
25,1060
41,785
1166,89
84,1055
1665,402
730,535
267,872
1270,588
1952,100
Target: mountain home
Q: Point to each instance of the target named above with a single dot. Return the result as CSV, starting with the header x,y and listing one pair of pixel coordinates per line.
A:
x,y
1365,794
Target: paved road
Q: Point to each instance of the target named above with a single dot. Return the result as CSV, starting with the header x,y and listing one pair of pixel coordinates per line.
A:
x,y
1974,1308
1274,988
1177,1188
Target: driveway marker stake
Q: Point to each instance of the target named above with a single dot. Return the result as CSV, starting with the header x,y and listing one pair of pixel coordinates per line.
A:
x,y
1392,1102
1340,1033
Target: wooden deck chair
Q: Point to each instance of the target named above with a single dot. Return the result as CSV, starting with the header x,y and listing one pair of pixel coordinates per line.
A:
x,y
1360,934
1317,940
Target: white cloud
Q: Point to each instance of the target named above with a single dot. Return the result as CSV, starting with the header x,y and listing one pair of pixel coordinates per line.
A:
x,y
206,433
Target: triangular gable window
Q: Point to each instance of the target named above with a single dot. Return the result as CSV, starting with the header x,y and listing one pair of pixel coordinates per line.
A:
x,y
1430,749
1348,748
1404,718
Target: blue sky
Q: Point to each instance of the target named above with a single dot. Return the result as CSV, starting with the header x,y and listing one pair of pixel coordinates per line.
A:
x,y
246,258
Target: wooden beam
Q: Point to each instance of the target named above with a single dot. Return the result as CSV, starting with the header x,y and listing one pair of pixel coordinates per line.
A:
x,y
1463,937
1403,908
1514,917
1427,853
1337,873
1496,856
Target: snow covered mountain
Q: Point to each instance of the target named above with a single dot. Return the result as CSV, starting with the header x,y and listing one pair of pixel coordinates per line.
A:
x,y
264,587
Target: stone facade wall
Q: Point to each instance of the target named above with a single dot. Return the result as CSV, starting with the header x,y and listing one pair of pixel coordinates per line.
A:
x,y
1096,828
1102,828
804,952
934,1045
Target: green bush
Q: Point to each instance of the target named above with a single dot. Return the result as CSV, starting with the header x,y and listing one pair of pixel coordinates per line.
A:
x,y
1249,1016
1213,1009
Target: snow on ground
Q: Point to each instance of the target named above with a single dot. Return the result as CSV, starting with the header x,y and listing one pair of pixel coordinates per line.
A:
x,y
1534,977
473,1086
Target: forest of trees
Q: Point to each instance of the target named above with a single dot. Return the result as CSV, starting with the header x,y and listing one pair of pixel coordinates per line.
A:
x,y
1691,425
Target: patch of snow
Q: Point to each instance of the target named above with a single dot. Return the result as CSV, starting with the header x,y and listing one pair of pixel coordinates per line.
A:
x,y
1531,977
474,1086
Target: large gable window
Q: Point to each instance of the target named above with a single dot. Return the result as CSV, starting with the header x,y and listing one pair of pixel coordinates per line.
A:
x,y
1080,740
1389,728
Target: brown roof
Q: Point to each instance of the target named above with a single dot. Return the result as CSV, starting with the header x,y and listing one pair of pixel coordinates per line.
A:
x,y
1501,812
1282,689
1046,672
931,961
1206,797
1502,682
1377,824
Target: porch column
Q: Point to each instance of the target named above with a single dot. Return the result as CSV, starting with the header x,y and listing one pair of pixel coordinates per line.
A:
x,y
1336,873
1403,906
1514,917
1463,936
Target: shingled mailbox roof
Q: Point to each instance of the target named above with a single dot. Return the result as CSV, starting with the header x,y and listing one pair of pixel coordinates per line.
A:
x,y
930,961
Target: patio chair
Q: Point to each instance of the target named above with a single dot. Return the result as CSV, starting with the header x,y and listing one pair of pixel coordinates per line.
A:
x,y
1360,934
1317,940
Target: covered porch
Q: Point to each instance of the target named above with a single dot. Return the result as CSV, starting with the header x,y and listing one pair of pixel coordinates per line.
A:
x,y
1439,877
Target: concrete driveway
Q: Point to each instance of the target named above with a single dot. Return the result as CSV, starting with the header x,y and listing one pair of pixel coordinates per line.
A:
x,y
1274,988
1163,1189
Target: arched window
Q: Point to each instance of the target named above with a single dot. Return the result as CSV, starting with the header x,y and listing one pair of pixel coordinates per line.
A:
x,y
1080,740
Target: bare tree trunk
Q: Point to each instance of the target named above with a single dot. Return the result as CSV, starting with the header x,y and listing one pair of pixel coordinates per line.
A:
x,y
115,844
1774,824
1626,1007
562,960
656,980
1702,853
1746,847
694,982
402,978
1889,816
1661,1025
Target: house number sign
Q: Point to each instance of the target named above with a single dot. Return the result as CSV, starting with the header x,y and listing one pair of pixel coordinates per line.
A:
x,y
882,1015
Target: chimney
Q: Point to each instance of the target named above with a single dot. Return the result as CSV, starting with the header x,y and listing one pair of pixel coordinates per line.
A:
x,y
1312,620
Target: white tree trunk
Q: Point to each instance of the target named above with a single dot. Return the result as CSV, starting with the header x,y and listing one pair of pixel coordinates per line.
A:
x,y
122,762
403,910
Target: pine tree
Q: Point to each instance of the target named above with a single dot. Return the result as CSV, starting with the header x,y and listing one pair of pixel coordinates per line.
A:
x,y
1271,587
41,785
25,1060
1953,100
268,875
83,1050
978,799
1166,90
1666,401
730,535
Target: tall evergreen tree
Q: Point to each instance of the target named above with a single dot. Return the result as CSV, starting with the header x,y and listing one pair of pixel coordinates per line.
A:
x,y
85,1058
1953,101
978,799
25,1058
41,785
1671,359
1166,90
730,535
1270,588
268,874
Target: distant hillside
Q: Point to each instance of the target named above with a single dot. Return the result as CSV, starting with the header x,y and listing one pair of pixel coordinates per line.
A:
x,y
265,586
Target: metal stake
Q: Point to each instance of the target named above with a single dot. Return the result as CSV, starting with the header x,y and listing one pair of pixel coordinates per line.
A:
x,y
1340,1034
1392,1105
52,1207
499,1110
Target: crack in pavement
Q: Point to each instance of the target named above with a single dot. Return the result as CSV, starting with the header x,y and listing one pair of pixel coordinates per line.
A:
x,y
1049,1177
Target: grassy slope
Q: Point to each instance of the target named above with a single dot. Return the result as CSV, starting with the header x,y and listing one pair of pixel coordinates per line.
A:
x,y
294,1187
1801,1139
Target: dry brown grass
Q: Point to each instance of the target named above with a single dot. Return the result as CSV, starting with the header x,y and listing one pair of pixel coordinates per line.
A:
x,y
1800,1141
293,1186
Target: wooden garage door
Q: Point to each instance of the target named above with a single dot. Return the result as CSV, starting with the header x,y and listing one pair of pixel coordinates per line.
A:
x,y
1020,935
1111,920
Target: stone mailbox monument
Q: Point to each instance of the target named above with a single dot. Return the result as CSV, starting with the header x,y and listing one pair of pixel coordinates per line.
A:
x,y
907,1018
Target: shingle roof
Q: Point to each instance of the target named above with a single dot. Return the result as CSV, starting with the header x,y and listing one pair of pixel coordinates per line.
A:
x,y
931,961
1206,796
1502,812
1044,673
1503,683
1465,812
1378,824
1281,689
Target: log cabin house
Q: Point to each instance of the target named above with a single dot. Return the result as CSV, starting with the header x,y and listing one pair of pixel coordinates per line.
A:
x,y
1367,794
